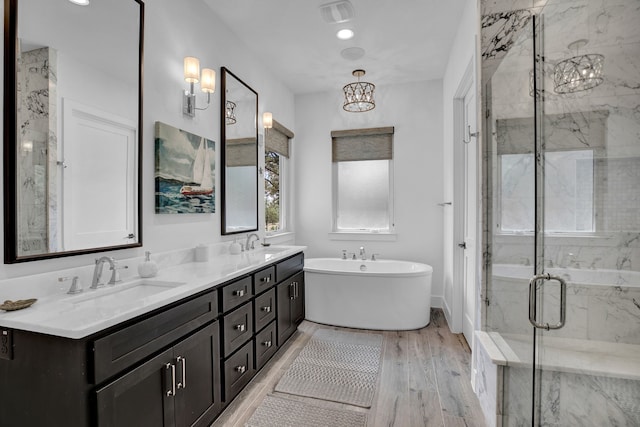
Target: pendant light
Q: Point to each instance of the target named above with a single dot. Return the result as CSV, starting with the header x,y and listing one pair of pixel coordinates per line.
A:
x,y
358,96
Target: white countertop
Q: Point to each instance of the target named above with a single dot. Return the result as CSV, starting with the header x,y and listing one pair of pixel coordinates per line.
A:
x,y
80,315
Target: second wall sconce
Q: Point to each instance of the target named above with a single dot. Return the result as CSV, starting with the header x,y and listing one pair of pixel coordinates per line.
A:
x,y
267,120
192,76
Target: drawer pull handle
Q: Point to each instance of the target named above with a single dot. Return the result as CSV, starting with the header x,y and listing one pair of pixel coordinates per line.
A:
x,y
239,293
183,362
266,309
266,279
241,369
240,327
172,367
267,344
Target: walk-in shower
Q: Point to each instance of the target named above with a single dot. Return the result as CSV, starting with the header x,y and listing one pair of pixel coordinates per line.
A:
x,y
561,210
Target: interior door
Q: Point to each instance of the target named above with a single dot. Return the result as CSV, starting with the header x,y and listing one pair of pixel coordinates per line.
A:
x,y
470,220
98,178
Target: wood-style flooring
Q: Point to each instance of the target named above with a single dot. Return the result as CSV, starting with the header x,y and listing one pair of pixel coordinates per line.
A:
x,y
424,380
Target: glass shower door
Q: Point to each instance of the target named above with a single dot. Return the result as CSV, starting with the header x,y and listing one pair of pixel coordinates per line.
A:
x,y
585,297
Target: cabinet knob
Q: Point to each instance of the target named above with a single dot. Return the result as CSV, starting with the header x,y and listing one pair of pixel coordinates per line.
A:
x,y
239,293
241,369
267,344
266,309
240,327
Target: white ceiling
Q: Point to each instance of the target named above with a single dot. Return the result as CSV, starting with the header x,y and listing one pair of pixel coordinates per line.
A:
x,y
404,40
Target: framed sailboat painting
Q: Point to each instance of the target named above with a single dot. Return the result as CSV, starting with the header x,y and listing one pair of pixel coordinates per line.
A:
x,y
185,171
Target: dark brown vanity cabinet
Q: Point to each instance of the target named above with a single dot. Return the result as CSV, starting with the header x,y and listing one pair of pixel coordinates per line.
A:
x,y
160,369
179,387
179,365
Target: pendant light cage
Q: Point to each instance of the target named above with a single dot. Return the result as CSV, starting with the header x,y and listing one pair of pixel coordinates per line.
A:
x,y
230,112
359,96
578,73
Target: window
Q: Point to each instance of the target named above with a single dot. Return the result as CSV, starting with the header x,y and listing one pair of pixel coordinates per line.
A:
x,y
363,180
568,192
274,169
275,178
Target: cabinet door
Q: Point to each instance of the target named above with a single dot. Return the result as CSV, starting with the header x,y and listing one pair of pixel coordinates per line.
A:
x,y
284,295
197,361
297,303
141,397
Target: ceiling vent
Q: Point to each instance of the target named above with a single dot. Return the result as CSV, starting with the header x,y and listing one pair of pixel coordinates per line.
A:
x,y
337,12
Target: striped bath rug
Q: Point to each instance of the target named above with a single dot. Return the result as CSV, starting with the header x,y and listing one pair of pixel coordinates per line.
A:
x,y
337,366
279,412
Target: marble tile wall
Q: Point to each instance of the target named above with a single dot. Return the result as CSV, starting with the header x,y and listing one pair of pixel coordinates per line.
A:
x,y
37,151
572,399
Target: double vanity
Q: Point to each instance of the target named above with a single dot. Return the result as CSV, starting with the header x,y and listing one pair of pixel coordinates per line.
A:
x,y
172,350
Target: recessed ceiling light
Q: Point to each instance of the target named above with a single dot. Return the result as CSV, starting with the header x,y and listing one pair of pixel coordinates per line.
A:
x,y
345,34
80,2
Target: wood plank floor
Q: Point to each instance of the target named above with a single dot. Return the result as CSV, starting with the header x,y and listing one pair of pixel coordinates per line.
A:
x,y
424,380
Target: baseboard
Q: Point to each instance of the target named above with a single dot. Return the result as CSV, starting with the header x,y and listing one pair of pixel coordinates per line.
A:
x,y
437,301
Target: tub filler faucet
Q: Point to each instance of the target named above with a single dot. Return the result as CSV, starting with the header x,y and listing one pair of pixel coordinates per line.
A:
x,y
363,254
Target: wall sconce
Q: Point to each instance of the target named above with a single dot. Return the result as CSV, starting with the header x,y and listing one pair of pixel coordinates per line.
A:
x,y
267,120
192,76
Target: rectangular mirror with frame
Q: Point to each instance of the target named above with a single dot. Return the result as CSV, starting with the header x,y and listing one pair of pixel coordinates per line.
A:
x,y
72,127
239,155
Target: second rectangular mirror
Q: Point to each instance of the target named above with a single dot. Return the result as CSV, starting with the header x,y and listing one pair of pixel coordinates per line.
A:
x,y
239,156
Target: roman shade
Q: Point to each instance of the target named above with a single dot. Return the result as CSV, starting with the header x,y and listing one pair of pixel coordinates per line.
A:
x,y
563,132
362,144
277,139
240,152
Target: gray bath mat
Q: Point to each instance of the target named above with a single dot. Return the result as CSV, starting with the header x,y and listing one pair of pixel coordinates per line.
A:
x,y
337,366
278,412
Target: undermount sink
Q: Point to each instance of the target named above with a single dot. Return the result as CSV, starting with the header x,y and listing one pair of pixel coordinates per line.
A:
x,y
123,293
272,249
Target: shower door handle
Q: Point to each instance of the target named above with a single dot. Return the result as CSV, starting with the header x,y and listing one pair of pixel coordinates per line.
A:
x,y
533,300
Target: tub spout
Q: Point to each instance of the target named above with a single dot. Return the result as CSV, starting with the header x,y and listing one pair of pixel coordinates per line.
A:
x,y
363,254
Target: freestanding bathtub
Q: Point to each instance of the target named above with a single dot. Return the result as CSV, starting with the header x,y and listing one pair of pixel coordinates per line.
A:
x,y
381,294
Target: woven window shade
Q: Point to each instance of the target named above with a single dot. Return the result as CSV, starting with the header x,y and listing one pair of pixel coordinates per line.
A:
x,y
277,139
240,152
563,132
362,144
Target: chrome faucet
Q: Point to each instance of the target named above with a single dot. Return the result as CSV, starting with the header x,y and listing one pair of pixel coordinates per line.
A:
x,y
97,272
249,236
363,254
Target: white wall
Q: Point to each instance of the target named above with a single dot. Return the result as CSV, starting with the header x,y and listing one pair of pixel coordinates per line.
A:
x,y
415,110
172,32
462,52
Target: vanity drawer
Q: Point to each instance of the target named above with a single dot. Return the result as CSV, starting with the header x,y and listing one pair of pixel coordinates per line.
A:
x,y
238,371
236,293
122,349
265,345
264,279
237,328
289,267
264,309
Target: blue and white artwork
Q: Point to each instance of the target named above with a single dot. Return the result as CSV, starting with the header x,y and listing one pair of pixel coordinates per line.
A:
x,y
185,171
